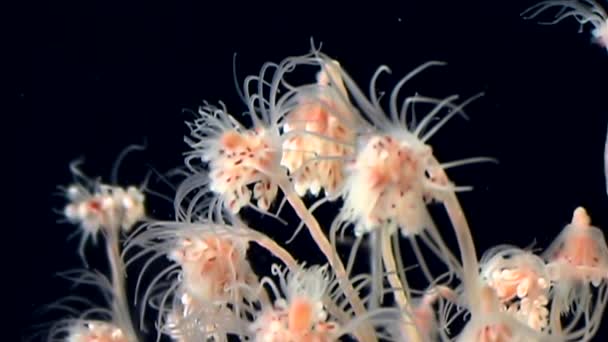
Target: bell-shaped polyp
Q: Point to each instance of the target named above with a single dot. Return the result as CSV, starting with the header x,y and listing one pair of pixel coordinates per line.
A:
x,y
514,273
393,173
236,158
579,253
577,263
319,133
96,206
99,207
212,266
246,152
385,187
521,283
386,191
299,313
276,325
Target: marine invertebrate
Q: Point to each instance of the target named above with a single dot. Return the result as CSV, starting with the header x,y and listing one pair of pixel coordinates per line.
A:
x,y
195,271
521,282
583,11
577,262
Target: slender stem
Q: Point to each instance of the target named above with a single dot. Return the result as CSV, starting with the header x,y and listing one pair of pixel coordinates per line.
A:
x,y
401,292
375,262
120,308
274,248
555,322
366,332
468,254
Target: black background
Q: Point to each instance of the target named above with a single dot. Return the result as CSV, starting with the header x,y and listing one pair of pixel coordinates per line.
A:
x,y
92,77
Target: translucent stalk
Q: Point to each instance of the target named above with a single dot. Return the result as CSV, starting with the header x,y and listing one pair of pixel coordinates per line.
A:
x,y
401,292
120,307
274,248
468,253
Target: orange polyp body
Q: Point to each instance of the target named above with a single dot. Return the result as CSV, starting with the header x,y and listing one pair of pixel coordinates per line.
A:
x,y
300,317
323,115
377,179
581,248
424,317
265,161
520,282
104,207
315,118
507,288
580,251
233,178
244,159
278,326
94,204
220,258
495,333
231,140
246,150
388,172
210,265
319,114
389,162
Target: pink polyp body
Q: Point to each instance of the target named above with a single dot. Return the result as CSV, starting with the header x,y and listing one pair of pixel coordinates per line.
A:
x,y
521,282
244,158
386,186
211,266
105,206
322,132
277,326
298,315
580,251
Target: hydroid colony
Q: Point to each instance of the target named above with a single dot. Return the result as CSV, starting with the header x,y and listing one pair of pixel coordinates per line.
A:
x,y
370,156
